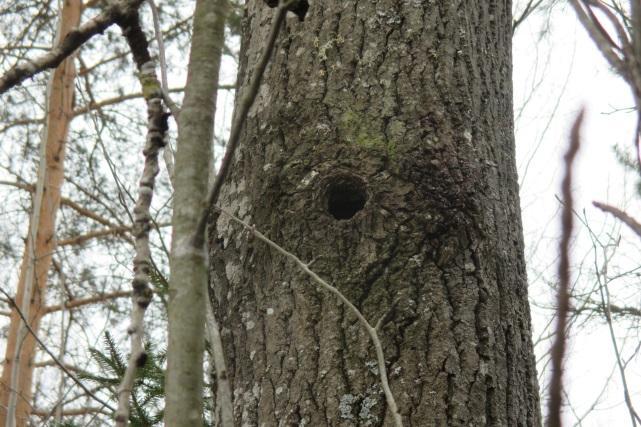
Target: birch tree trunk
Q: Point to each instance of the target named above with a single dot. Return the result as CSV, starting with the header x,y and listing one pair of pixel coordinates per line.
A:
x,y
381,147
17,373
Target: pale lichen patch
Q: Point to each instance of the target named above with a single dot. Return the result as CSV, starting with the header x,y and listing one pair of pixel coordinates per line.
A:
x,y
345,406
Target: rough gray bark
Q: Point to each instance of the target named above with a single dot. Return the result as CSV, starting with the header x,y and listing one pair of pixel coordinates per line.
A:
x,y
407,107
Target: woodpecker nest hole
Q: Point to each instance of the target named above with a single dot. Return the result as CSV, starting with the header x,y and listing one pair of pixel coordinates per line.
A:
x,y
345,196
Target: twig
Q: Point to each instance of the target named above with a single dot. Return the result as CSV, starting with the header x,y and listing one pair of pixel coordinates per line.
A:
x,y
87,301
604,294
621,216
371,330
530,7
95,234
563,295
111,101
53,356
72,41
168,153
602,41
175,111
71,412
245,104
69,203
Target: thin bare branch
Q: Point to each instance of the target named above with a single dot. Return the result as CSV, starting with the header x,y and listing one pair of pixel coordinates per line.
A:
x,y
87,301
563,294
72,41
602,41
245,104
119,231
111,101
530,8
64,201
53,356
604,293
621,216
371,330
72,412
49,363
163,61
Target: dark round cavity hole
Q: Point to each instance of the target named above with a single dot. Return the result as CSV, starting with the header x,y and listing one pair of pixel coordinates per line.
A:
x,y
346,196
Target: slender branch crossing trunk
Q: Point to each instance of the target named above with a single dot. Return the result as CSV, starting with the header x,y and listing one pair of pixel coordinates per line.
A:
x,y
15,386
380,147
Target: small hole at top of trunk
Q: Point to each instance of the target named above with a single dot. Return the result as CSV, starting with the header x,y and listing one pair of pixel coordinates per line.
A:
x,y
346,195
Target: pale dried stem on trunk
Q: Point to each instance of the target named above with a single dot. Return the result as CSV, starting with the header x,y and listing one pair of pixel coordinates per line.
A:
x,y
224,410
168,153
371,330
175,111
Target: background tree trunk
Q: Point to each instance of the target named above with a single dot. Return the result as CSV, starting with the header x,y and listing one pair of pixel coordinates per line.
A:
x,y
381,146
17,372
188,283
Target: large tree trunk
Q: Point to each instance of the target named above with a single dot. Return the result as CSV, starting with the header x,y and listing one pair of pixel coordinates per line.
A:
x,y
41,242
405,107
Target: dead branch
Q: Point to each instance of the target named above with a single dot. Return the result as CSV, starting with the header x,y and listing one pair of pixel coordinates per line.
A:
x,y
563,294
87,301
245,104
621,216
72,41
71,412
112,101
119,231
65,202
53,356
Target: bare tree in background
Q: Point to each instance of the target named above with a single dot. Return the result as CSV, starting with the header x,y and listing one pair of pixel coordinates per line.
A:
x,y
94,220
15,385
605,281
